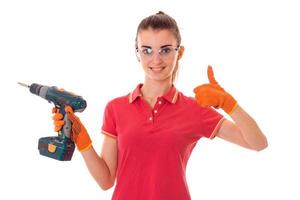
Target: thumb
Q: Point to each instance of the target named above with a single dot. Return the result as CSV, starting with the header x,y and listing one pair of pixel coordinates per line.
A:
x,y
70,113
210,74
69,109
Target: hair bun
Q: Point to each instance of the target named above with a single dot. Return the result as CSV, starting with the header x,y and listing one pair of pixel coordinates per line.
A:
x,y
160,13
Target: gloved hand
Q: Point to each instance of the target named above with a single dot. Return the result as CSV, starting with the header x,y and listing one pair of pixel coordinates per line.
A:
x,y
212,94
79,134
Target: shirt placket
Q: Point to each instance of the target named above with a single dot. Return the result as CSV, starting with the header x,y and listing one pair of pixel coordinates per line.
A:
x,y
155,111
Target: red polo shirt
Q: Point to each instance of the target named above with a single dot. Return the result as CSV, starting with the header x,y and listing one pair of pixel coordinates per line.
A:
x,y
154,145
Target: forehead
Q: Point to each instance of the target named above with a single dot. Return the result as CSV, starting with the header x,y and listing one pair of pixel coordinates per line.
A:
x,y
156,38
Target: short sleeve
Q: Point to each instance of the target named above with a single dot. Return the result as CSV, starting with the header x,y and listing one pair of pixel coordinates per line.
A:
x,y
109,122
211,122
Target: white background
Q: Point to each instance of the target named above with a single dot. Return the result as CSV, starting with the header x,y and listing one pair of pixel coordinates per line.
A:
x,y
88,47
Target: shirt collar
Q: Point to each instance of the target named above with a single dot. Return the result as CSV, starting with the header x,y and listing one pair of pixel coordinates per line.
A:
x,y
135,93
170,96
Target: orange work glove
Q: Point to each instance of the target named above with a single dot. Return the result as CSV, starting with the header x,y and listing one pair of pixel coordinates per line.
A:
x,y
212,94
79,133
58,120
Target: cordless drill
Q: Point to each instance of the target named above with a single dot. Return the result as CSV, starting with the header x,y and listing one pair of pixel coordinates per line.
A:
x,y
60,147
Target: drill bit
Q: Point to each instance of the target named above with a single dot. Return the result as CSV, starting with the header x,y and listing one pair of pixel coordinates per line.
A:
x,y
24,85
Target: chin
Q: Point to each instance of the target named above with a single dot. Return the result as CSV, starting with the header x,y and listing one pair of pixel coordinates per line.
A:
x,y
159,78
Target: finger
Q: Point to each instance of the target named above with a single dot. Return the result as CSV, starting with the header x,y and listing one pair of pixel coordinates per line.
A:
x,y
57,128
54,110
210,74
69,109
57,116
196,89
70,113
203,87
199,87
73,118
59,123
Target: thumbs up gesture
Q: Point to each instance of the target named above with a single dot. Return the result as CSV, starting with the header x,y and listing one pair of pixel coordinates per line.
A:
x,y
212,94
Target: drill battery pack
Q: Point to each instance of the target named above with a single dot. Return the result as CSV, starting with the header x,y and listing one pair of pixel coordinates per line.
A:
x,y
56,147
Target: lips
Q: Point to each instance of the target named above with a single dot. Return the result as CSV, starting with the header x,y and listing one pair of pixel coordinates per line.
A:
x,y
157,69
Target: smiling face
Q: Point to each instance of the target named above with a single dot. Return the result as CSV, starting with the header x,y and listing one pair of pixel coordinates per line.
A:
x,y
158,53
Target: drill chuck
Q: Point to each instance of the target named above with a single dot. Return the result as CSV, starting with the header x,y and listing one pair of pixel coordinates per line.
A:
x,y
35,88
39,90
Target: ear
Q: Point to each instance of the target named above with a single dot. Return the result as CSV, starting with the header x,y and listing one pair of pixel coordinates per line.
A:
x,y
137,57
180,52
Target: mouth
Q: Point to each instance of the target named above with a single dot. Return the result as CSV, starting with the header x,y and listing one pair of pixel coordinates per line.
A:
x,y
157,69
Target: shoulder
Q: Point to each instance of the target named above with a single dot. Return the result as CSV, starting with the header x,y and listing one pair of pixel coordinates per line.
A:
x,y
187,100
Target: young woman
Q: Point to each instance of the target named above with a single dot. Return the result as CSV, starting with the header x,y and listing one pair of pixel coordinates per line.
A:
x,y
150,133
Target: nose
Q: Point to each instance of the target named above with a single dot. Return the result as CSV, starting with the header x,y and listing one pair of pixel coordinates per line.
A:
x,y
156,58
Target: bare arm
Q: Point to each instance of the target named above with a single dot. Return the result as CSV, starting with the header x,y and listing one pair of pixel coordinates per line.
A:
x,y
103,167
244,131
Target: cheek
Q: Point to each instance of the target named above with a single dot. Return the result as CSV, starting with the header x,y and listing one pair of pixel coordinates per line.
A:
x,y
144,64
173,63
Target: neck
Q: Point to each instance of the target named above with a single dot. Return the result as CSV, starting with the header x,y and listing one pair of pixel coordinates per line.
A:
x,y
153,89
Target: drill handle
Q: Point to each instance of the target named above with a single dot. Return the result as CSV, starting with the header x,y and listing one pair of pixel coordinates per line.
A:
x,y
67,127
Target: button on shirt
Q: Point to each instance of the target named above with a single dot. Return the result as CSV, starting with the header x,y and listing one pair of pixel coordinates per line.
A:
x,y
154,144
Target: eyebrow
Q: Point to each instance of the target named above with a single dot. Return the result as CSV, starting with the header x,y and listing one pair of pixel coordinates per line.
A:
x,y
167,45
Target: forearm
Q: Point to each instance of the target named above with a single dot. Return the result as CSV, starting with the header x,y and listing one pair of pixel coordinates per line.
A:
x,y
249,129
98,168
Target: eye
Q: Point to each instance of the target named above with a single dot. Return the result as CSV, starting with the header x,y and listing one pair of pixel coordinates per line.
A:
x,y
147,51
165,50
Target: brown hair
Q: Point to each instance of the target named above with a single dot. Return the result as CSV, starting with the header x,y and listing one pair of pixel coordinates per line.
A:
x,y
160,21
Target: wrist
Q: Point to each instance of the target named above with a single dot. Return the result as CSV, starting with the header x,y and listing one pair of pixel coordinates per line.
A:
x,y
85,149
83,141
230,104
